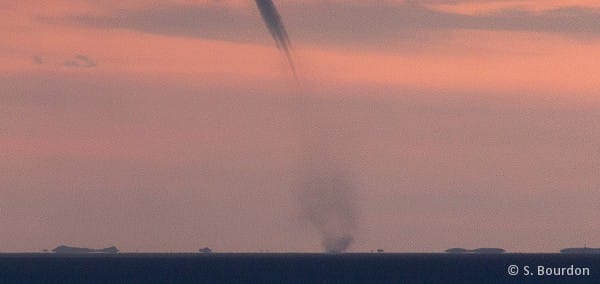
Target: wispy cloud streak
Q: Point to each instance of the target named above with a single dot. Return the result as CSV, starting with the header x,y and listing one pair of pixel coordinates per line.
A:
x,y
340,23
80,61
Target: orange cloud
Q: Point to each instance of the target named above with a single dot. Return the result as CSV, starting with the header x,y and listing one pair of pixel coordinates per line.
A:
x,y
478,7
459,60
486,61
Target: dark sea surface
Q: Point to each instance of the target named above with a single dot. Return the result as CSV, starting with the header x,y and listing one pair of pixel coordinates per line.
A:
x,y
293,268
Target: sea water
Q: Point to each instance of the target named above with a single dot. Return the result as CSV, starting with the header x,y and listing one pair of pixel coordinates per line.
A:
x,y
299,268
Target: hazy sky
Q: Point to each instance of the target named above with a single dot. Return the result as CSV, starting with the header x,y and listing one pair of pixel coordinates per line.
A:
x,y
168,126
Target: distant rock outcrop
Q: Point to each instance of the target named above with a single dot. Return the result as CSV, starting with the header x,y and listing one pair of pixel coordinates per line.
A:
x,y
488,250
477,250
583,250
457,250
77,250
205,250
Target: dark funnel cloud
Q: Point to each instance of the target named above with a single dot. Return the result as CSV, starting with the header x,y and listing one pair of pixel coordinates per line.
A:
x,y
326,193
271,17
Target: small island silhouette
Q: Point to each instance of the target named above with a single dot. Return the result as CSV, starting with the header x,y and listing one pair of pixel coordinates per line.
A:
x,y
205,250
77,250
583,250
477,250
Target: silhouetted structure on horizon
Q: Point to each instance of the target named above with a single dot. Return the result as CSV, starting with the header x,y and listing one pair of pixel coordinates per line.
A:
x,y
477,250
583,250
77,250
205,250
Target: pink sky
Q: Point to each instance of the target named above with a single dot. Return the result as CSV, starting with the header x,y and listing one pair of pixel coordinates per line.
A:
x,y
167,127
